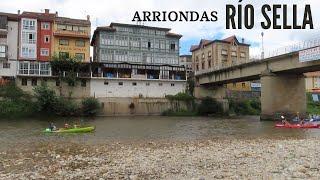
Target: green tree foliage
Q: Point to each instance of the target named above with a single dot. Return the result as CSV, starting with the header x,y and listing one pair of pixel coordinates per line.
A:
x,y
90,106
46,98
245,107
210,106
14,102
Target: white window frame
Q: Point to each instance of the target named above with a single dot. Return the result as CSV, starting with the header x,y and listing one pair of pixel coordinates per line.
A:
x,y
44,52
28,24
3,51
45,25
45,37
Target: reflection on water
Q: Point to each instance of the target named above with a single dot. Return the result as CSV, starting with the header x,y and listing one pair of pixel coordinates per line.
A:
x,y
144,128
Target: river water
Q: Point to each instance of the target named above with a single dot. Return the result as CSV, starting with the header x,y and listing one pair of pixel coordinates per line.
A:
x,y
26,132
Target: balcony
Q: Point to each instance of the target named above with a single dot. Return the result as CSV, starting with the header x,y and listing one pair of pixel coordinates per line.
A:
x,y
69,33
3,52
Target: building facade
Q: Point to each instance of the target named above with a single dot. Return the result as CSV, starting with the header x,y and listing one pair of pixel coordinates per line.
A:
x,y
136,61
71,38
186,61
210,55
8,46
44,36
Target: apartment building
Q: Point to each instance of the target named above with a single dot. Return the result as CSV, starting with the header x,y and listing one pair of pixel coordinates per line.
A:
x,y
8,46
71,38
211,55
136,61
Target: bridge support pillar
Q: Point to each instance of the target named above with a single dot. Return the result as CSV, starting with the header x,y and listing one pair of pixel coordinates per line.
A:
x,y
216,92
284,94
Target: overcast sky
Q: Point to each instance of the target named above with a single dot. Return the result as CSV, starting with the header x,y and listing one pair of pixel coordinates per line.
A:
x,y
102,12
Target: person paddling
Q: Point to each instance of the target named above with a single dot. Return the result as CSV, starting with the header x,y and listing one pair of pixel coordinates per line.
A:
x,y
284,121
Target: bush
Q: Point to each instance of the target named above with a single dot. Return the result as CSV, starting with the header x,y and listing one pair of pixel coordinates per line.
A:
x,y
90,106
209,106
245,107
180,97
12,92
46,98
15,109
65,107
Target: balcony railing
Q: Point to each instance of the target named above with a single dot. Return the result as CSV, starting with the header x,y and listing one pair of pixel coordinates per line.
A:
x,y
72,33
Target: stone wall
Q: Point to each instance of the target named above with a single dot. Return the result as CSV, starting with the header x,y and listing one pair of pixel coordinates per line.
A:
x,y
141,106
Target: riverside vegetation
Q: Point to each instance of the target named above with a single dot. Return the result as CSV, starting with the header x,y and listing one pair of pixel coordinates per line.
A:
x,y
211,107
15,103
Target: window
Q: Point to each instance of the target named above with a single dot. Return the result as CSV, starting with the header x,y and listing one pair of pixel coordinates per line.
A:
x,y
209,54
75,28
24,82
224,52
106,83
83,83
120,83
243,85
82,29
172,84
28,37
6,65
234,54
209,64
44,52
134,84
202,65
197,67
64,42
45,25
28,52
149,45
160,84
242,54
46,39
172,47
44,68
79,56
2,51
147,84
234,84
28,24
23,68
80,43
69,27
34,68
63,55
57,82
62,27
202,56
34,82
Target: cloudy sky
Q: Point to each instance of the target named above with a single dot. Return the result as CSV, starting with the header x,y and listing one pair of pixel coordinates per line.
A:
x,y
102,12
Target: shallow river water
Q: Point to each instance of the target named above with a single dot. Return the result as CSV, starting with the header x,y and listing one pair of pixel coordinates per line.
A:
x,y
146,128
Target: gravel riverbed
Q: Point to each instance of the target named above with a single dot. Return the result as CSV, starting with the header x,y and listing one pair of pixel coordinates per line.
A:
x,y
198,159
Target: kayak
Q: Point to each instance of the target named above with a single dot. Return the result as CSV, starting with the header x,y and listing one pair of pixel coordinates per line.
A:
x,y
72,130
280,125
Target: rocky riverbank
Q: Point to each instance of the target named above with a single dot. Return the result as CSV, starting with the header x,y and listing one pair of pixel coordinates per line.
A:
x,y
219,159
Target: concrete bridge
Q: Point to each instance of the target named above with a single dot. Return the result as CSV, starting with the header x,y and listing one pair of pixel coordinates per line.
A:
x,y
282,82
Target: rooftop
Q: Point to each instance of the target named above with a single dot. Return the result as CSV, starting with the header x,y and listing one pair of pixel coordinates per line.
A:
x,y
228,40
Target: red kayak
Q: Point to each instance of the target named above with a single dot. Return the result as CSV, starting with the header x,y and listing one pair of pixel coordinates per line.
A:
x,y
280,125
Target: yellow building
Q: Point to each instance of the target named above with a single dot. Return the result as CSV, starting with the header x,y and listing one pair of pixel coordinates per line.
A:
x,y
242,86
313,81
210,55
71,38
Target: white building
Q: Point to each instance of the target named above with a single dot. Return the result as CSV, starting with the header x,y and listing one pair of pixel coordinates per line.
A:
x,y
8,45
136,61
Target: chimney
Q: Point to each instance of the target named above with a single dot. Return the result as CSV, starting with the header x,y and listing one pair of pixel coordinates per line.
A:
x,y
46,11
57,13
18,12
242,40
88,17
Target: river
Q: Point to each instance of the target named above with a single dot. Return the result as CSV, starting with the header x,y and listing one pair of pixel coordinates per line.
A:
x,y
156,147
146,128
